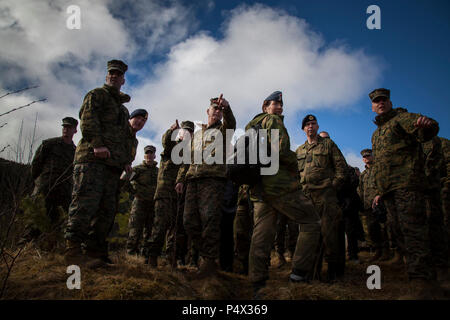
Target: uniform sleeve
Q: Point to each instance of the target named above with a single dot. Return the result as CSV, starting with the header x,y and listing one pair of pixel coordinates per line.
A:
x,y
182,173
407,121
340,166
229,121
360,189
38,161
90,119
167,142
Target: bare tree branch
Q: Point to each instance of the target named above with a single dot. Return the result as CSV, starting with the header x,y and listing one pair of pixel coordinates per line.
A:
x,y
27,105
4,148
20,90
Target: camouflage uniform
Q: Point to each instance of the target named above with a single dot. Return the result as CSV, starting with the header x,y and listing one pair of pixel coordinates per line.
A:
x,y
377,232
51,170
399,179
165,199
205,184
143,182
280,194
322,171
435,170
243,227
104,123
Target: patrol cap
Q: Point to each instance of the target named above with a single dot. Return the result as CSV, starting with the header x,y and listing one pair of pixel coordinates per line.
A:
x,y
117,65
188,125
308,118
275,96
69,121
139,112
366,152
380,92
150,149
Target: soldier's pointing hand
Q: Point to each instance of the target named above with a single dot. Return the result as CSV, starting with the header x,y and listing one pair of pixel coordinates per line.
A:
x,y
423,122
175,125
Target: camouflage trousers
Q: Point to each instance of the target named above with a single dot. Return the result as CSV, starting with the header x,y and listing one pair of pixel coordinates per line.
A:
x,y
326,203
167,223
445,197
93,207
140,225
407,216
243,229
297,207
203,213
437,232
377,232
281,241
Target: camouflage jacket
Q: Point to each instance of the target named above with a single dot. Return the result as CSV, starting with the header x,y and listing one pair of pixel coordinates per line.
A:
x,y
366,190
168,171
104,123
321,165
446,152
398,156
143,181
52,165
286,179
435,168
201,140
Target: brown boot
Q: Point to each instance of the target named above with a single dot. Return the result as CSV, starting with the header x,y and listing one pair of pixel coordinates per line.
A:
x,y
376,256
208,268
386,254
397,259
73,254
152,261
281,260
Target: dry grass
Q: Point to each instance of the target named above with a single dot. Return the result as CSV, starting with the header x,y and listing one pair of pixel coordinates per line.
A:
x,y
43,276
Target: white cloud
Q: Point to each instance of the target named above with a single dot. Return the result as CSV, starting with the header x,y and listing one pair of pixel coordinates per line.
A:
x,y
262,50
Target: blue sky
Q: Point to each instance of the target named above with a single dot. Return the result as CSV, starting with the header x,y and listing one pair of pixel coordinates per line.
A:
x,y
181,53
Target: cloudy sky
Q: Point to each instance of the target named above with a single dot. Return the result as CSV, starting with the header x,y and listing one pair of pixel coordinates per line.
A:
x,y
320,54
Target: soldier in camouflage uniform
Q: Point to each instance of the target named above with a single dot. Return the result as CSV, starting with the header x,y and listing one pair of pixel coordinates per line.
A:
x,y
377,231
322,172
243,228
166,197
400,181
435,171
51,170
143,185
280,194
107,146
205,186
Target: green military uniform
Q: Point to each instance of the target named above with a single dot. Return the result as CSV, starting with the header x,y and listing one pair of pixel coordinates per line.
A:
x,y
400,180
205,185
280,194
435,170
243,227
104,123
322,171
51,170
143,182
165,199
377,232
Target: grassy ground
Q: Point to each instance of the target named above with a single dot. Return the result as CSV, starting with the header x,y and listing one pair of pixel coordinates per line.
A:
x,y
38,275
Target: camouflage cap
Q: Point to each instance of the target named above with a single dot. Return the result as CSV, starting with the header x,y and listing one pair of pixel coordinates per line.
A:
x,y
117,65
380,92
308,118
275,96
150,149
188,125
366,152
69,121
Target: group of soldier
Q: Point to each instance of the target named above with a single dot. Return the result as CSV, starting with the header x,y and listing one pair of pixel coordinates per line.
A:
x,y
316,198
